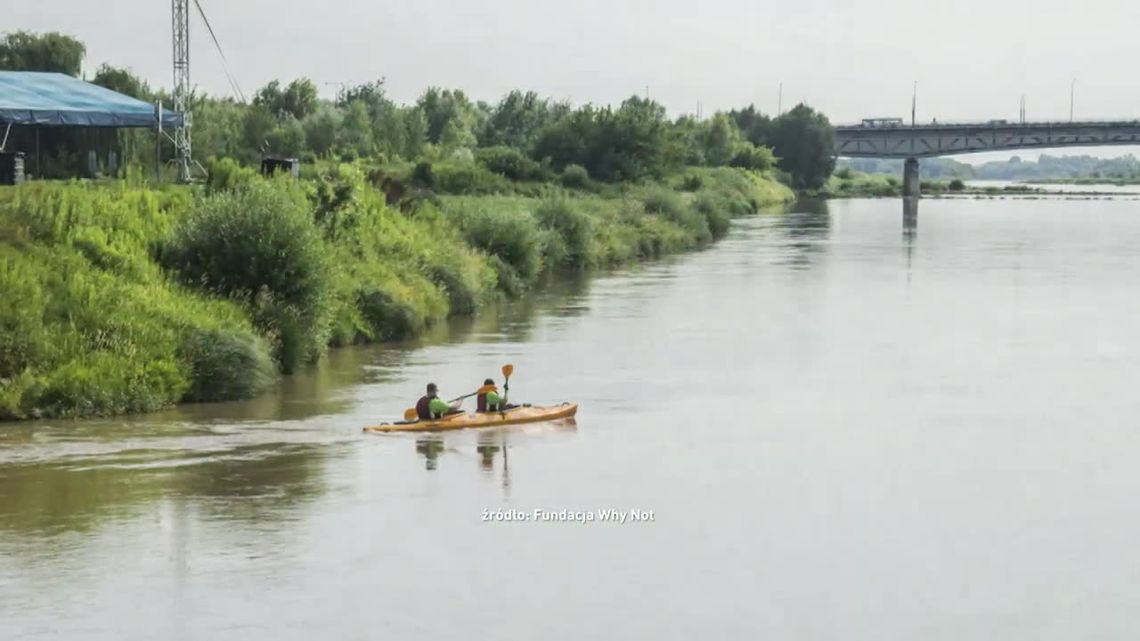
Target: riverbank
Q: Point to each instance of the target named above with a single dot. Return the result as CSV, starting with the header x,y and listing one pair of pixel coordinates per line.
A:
x,y
1119,181
124,298
852,184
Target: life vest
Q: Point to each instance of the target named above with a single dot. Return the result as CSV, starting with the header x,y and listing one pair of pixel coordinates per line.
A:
x,y
481,397
423,408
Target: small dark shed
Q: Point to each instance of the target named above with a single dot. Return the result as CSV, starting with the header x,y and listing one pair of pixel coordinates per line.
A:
x,y
271,165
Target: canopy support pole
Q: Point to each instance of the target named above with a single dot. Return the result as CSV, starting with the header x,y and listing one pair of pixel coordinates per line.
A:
x,y
158,141
4,143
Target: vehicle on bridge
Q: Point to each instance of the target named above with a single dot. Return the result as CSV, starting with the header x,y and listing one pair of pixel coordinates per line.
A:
x,y
879,123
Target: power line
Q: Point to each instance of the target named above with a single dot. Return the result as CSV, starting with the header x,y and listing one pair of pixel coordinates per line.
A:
x,y
225,63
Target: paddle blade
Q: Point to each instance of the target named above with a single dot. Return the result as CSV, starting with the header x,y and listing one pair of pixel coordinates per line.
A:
x,y
508,370
410,414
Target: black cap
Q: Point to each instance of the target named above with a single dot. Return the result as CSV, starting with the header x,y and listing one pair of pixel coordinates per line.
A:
x,y
489,382
431,388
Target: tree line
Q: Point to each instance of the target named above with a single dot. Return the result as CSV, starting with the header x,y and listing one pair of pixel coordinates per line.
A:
x,y
523,133
1046,167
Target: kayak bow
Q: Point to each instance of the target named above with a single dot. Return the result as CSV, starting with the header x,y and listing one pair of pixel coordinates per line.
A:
x,y
513,416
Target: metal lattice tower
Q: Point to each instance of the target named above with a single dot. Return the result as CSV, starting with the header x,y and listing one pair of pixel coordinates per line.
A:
x,y
180,10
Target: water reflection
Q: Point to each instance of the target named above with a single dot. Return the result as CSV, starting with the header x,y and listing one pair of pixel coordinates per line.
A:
x,y
319,390
259,482
910,230
563,295
430,447
490,443
807,227
487,447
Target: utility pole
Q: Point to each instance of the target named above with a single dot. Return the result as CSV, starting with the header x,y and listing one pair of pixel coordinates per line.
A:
x,y
1072,95
180,15
914,104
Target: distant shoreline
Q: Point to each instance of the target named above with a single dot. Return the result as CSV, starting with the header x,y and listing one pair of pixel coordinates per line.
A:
x,y
860,185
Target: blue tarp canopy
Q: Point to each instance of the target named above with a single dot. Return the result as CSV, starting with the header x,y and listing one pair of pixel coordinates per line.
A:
x,y
58,100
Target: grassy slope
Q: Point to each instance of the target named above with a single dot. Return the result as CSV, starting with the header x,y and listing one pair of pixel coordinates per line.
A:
x,y
92,324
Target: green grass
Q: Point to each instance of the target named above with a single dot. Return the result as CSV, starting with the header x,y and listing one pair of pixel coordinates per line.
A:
x,y
123,298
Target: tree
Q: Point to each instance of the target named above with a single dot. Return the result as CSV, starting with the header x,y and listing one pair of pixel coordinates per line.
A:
x,y
370,93
415,132
269,97
630,143
754,125
122,81
516,120
356,131
634,142
450,117
258,123
287,138
26,51
804,141
321,130
298,100
720,140
388,129
569,140
219,128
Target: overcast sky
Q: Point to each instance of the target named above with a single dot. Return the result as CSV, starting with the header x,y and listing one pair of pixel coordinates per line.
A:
x,y
973,59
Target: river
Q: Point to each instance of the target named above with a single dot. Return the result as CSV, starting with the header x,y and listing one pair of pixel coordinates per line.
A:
x,y
841,422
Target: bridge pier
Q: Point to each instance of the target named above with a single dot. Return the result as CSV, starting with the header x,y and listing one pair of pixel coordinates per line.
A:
x,y
912,185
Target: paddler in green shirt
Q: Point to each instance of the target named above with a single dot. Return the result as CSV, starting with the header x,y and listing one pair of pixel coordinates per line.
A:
x,y
431,405
488,399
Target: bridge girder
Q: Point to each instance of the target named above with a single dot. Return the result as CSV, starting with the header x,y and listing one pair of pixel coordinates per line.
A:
x,y
928,141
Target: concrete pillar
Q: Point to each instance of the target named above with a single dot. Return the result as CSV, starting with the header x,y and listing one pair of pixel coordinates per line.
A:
x,y
911,182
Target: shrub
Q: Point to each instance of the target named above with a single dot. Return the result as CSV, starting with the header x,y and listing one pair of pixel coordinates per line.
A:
x,y
957,185
224,174
572,231
467,178
510,162
511,236
226,365
334,196
507,278
753,158
669,206
717,210
575,177
423,176
259,245
844,173
388,318
102,384
691,182
462,297
932,186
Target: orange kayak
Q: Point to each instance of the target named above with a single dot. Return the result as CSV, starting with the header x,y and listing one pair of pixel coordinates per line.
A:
x,y
513,416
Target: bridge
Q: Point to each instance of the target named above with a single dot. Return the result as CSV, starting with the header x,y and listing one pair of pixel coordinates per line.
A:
x,y
889,138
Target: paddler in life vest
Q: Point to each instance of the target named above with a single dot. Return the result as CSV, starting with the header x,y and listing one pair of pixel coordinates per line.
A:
x,y
431,405
487,399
